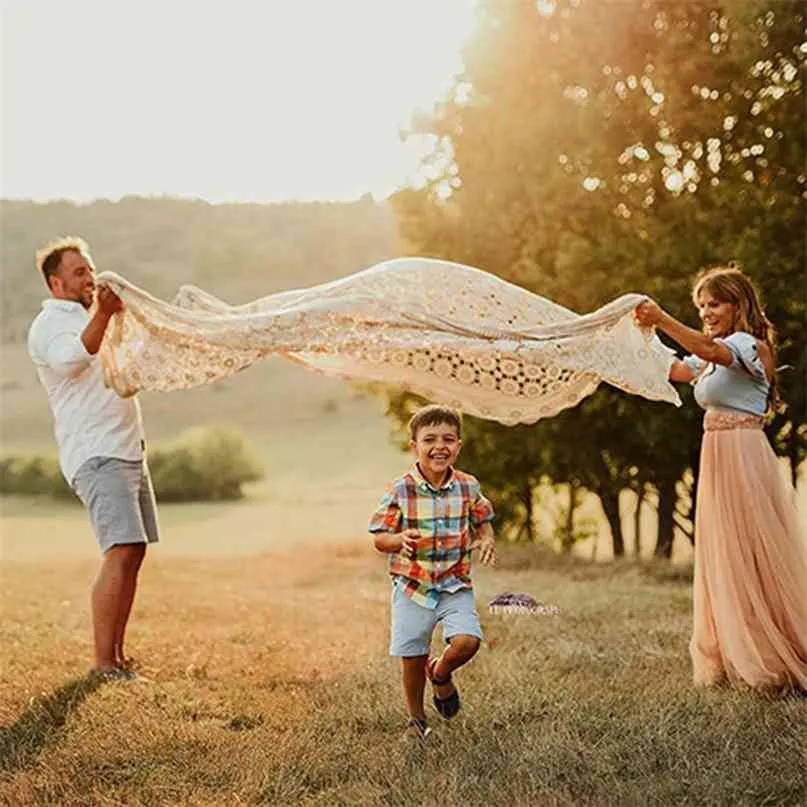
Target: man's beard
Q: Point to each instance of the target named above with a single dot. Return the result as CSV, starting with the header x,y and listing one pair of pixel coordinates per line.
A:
x,y
84,299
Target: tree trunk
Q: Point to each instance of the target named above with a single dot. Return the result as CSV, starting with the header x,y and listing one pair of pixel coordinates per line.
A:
x,y
667,497
637,522
567,541
793,451
610,505
529,509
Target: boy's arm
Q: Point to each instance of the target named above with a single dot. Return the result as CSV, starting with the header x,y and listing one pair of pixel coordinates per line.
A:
x,y
385,525
387,541
481,521
403,542
486,544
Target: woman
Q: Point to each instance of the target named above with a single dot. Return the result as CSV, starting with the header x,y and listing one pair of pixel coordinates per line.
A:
x,y
750,588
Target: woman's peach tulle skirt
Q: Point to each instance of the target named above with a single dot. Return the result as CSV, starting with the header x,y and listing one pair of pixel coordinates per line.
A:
x,y
750,589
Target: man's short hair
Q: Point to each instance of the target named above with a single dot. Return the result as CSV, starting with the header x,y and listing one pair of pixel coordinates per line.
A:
x,y
49,258
434,415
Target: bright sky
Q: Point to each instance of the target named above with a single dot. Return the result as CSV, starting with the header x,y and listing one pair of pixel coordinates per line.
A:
x,y
227,100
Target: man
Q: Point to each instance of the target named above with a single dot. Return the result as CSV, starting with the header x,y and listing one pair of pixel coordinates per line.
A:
x,y
100,438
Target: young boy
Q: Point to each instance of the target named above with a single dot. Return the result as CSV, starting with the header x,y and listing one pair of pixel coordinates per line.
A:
x,y
429,521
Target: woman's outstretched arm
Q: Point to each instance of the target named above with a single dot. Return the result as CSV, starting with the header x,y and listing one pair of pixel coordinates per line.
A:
x,y
650,313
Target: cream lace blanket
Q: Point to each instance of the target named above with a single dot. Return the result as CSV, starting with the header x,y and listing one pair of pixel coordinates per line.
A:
x,y
451,333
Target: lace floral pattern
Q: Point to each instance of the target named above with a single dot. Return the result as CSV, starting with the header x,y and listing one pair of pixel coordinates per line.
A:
x,y
718,421
449,332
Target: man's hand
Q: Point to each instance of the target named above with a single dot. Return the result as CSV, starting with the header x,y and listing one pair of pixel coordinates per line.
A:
x,y
108,302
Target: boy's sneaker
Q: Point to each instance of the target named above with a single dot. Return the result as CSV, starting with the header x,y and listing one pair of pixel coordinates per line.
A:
x,y
417,730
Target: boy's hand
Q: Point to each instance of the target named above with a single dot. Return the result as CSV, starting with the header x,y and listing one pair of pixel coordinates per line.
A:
x,y
404,543
486,544
409,543
487,551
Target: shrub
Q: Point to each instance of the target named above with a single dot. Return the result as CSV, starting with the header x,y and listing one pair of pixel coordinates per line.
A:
x,y
205,464
33,476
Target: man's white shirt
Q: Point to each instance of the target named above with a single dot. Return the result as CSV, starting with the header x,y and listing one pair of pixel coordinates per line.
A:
x,y
90,420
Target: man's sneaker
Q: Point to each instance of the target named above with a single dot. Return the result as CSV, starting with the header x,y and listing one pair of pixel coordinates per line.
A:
x,y
116,675
417,729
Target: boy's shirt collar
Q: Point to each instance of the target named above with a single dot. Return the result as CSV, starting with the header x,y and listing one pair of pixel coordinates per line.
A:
x,y
424,484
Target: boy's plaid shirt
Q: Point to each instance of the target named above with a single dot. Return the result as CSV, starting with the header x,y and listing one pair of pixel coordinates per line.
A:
x,y
446,519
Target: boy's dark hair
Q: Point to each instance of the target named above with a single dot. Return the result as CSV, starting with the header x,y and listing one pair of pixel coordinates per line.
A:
x,y
434,415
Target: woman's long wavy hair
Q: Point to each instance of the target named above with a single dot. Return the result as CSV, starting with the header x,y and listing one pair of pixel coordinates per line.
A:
x,y
728,284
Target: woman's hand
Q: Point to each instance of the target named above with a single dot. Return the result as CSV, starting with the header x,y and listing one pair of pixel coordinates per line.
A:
x,y
648,313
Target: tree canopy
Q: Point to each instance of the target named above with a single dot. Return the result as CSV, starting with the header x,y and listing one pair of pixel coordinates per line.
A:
x,y
596,147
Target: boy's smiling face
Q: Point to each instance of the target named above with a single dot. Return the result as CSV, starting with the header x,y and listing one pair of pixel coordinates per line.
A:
x,y
436,447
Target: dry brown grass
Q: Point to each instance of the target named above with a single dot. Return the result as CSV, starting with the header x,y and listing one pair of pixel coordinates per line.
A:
x,y
267,682
261,629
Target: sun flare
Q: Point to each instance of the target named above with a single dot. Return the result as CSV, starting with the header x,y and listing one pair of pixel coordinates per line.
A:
x,y
243,101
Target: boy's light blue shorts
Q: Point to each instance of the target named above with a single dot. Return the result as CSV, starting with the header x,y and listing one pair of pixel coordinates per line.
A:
x,y
413,624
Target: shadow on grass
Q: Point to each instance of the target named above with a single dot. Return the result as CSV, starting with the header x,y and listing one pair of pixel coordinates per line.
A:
x,y
25,739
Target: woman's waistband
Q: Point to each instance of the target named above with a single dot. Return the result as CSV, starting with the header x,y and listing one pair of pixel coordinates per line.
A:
x,y
721,420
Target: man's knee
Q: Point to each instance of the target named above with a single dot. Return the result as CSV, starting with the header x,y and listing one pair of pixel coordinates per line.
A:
x,y
126,557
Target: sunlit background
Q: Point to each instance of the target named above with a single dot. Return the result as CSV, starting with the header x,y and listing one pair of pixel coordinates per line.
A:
x,y
235,101
591,148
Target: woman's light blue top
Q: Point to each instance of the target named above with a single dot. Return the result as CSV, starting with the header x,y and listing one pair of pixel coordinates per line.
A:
x,y
742,386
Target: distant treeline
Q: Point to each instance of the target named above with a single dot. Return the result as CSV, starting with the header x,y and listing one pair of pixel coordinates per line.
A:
x,y
236,251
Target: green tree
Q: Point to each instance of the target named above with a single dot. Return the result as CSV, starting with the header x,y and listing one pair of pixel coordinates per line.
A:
x,y
593,148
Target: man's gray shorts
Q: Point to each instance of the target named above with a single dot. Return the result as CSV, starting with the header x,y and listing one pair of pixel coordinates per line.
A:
x,y
119,498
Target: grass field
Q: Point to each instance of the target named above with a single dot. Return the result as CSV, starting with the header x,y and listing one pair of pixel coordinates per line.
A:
x,y
261,630
265,681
